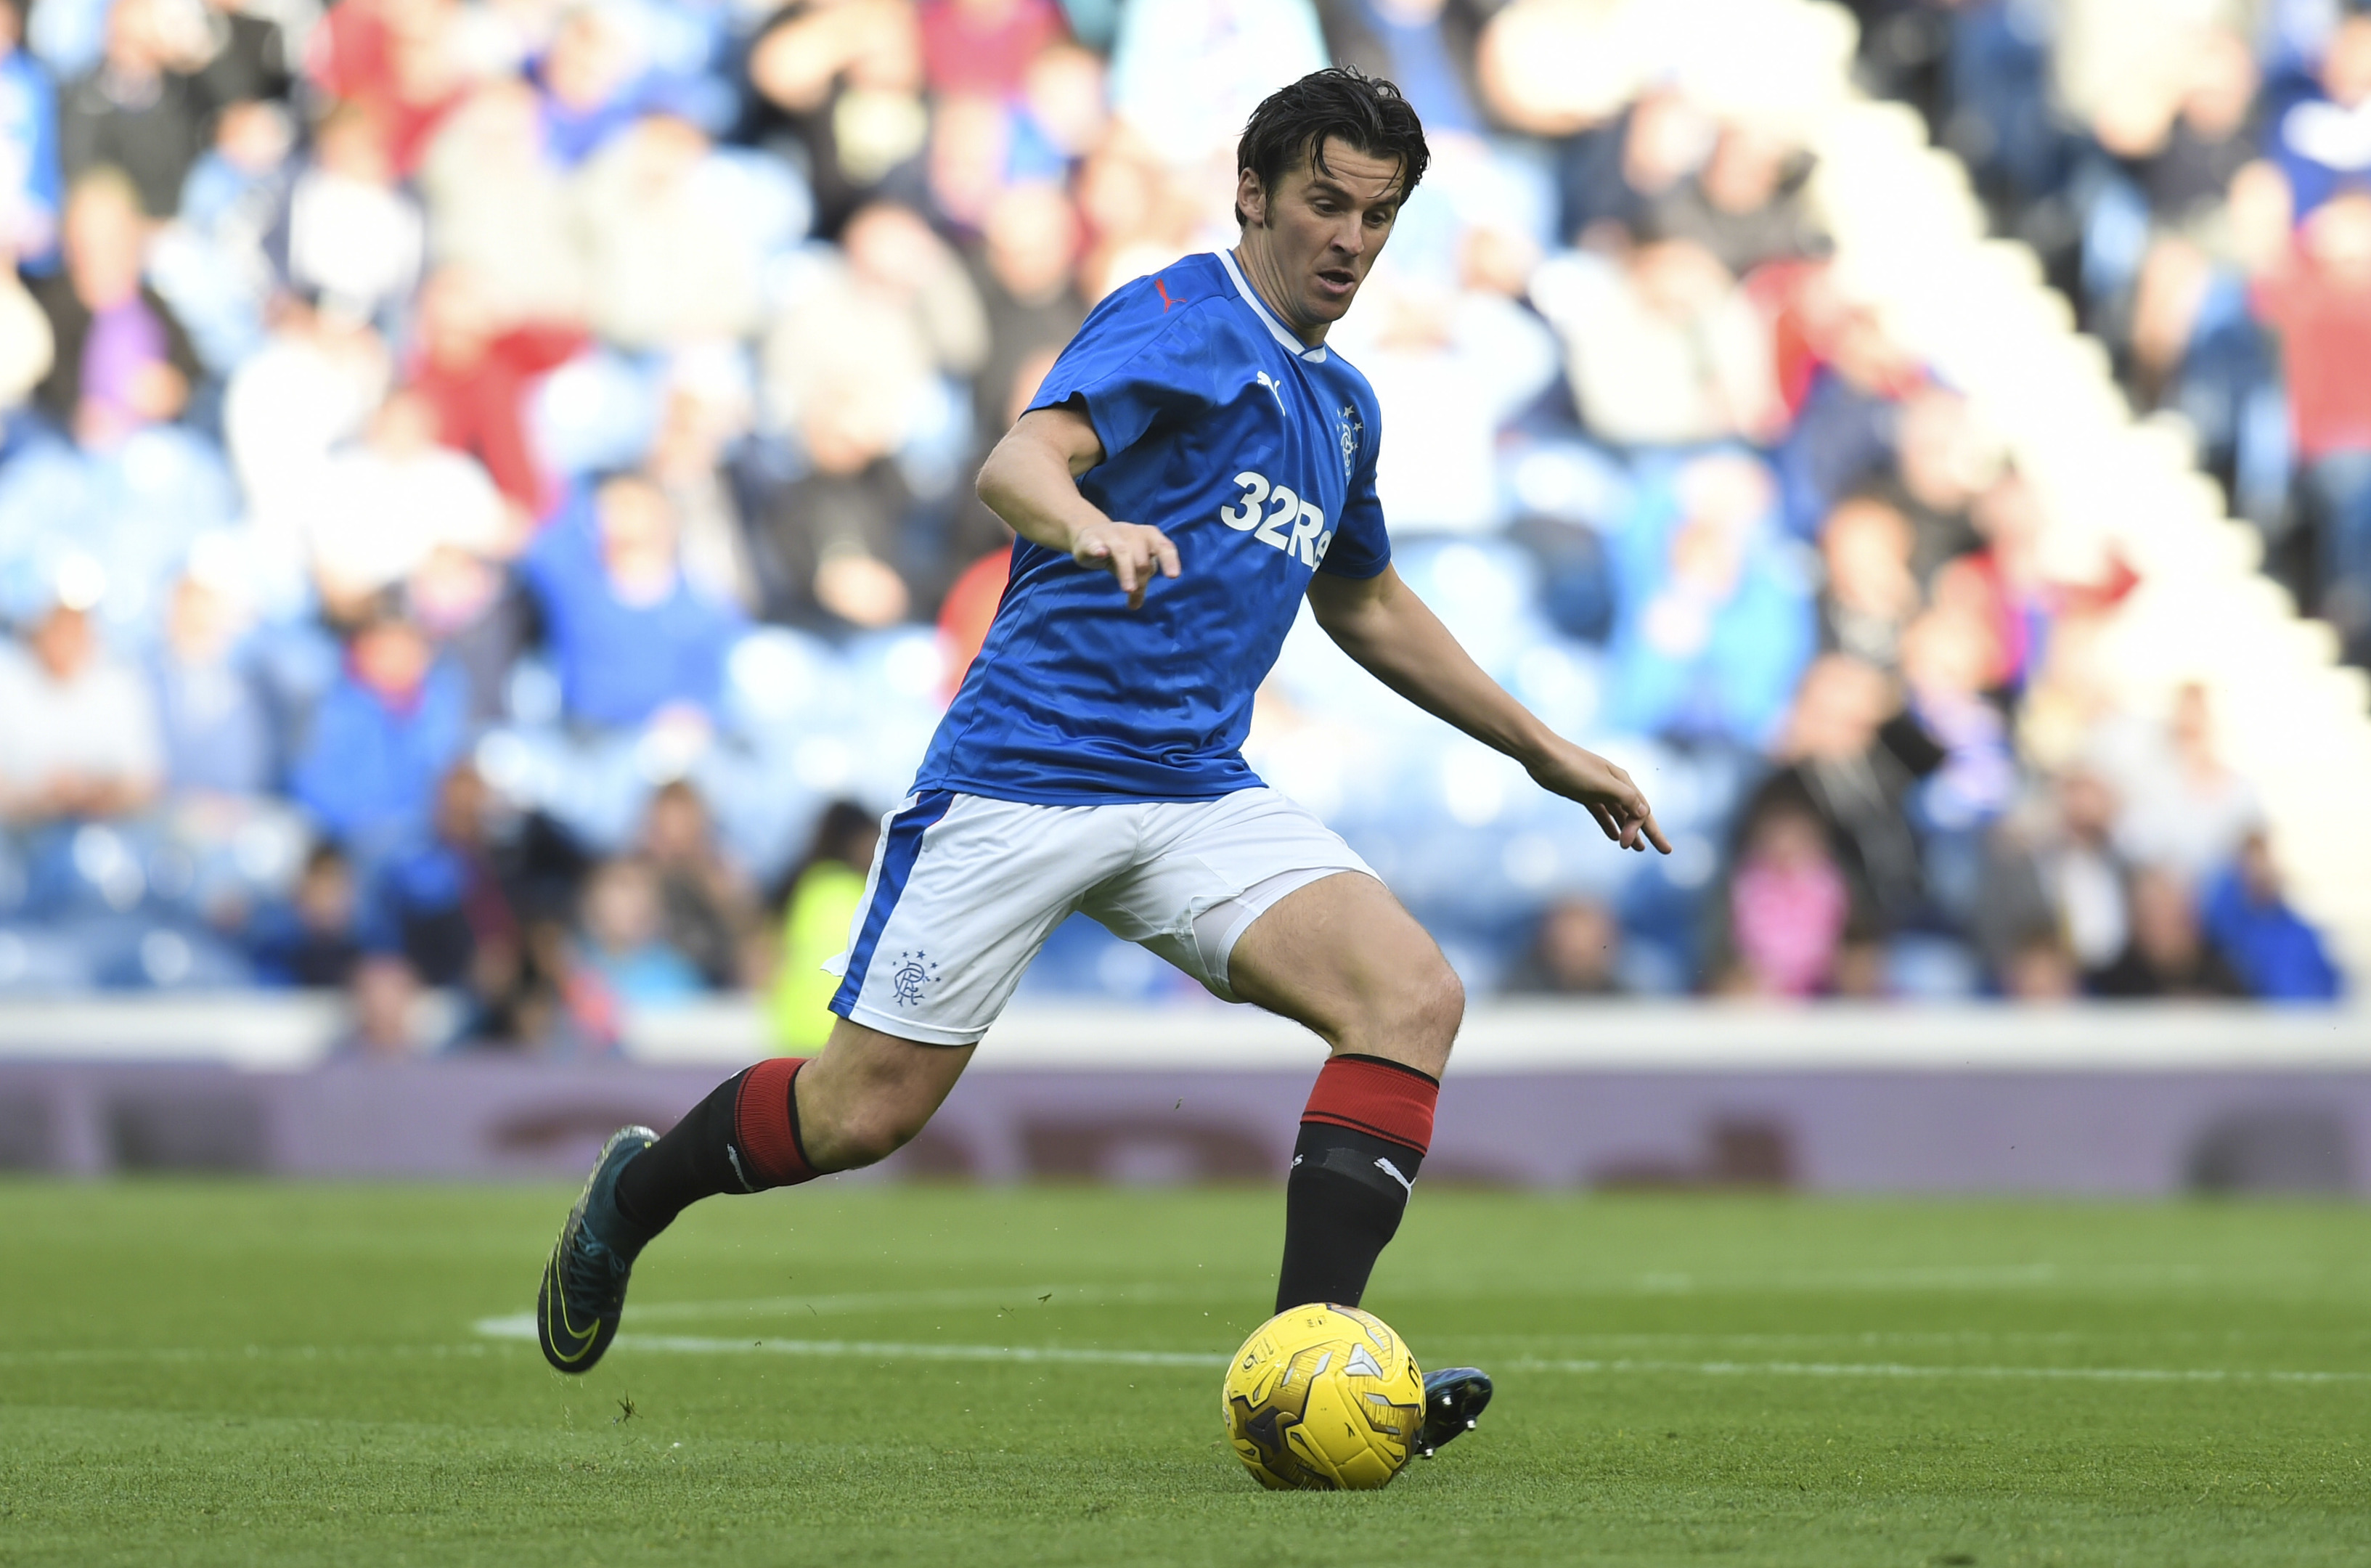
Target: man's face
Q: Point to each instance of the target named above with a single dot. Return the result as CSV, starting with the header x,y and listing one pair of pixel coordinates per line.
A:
x,y
637,540
1321,229
105,239
461,806
131,41
1577,943
63,643
391,658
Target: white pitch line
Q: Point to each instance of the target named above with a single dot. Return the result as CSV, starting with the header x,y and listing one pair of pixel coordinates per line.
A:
x,y
521,1326
1015,1297
1973,1278
868,1350
86,1355
1908,1369
1969,1279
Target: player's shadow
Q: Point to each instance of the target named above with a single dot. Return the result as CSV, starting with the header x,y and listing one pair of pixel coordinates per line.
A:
x,y
2286,1149
1738,1152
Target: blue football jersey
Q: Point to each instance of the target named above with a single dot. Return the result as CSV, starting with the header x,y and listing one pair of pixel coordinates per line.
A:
x,y
1256,453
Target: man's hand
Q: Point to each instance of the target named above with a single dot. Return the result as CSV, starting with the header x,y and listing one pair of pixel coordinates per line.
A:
x,y
1380,622
1031,480
1131,552
1619,806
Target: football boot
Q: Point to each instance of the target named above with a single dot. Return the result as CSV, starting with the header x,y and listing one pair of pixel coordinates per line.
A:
x,y
584,1289
1454,1398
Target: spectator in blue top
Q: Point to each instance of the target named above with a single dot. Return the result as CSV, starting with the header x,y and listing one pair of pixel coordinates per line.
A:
x,y
30,189
218,731
383,736
625,945
632,636
311,939
590,79
2276,956
1712,627
2317,124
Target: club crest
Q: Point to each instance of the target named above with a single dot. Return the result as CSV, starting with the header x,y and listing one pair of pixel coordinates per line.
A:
x,y
914,975
1349,428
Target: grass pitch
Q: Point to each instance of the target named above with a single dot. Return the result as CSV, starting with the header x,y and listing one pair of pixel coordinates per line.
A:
x,y
239,1373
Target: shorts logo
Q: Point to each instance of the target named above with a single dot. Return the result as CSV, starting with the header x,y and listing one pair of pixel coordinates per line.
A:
x,y
913,972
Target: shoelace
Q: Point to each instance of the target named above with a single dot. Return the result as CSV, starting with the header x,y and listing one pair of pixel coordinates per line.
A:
x,y
588,1272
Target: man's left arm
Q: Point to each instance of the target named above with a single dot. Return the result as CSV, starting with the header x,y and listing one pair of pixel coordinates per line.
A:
x,y
1381,623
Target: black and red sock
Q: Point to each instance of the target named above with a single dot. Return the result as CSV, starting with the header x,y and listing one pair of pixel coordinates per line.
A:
x,y
1364,1138
742,1138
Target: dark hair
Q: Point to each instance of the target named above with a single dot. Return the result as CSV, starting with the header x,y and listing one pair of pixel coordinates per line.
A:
x,y
1294,123
386,607
845,833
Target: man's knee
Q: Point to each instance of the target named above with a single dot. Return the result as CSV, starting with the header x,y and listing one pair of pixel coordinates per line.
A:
x,y
867,1095
868,1133
1436,1005
1416,1014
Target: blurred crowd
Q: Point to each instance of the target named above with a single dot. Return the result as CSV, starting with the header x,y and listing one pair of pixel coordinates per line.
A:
x,y
2196,175
485,504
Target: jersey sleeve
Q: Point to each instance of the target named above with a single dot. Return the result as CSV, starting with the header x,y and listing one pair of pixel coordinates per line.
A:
x,y
1136,363
1361,547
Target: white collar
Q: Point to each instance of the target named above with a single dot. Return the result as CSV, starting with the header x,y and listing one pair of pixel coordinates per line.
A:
x,y
1274,328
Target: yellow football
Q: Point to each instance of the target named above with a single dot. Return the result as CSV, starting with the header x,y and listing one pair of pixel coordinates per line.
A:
x,y
1323,1399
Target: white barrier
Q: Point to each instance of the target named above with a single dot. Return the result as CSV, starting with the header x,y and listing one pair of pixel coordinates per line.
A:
x,y
2083,1100
292,1031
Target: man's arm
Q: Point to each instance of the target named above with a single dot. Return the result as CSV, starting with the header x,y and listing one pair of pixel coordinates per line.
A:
x,y
1031,481
1380,622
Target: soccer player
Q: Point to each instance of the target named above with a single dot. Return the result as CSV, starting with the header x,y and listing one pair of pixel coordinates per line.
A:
x,y
1197,464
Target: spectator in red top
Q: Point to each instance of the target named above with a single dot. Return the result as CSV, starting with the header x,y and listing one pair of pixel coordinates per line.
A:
x,y
401,57
985,47
969,610
2004,579
477,372
2321,304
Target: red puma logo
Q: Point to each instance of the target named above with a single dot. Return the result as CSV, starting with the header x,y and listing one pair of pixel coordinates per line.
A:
x,y
1162,290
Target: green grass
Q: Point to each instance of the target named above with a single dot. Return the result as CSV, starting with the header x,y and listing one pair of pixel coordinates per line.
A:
x,y
231,1374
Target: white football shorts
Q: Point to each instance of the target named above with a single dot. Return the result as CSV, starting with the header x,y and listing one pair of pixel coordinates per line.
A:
x,y
965,890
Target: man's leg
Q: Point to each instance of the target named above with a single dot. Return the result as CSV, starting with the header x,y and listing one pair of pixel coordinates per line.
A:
x,y
787,1121
979,883
1343,958
775,1124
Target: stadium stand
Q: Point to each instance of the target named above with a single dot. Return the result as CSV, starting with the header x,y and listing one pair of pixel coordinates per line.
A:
x,y
484,482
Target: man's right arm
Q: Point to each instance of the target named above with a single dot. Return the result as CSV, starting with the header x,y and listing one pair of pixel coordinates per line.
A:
x,y
1031,480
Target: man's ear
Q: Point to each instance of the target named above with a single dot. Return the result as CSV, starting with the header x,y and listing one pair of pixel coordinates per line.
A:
x,y
1251,199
